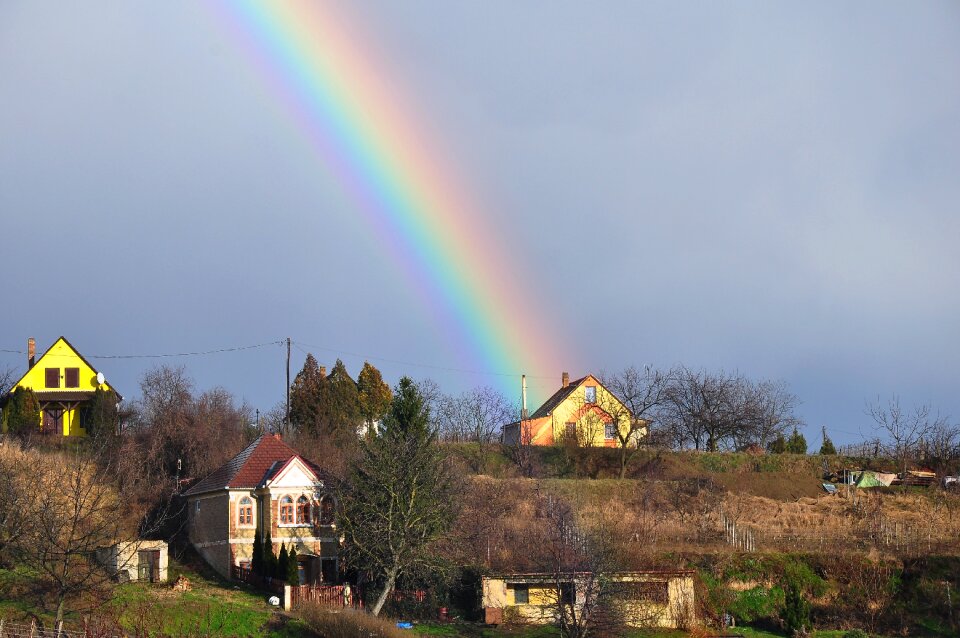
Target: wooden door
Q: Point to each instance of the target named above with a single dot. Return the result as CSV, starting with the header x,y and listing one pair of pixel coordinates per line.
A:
x,y
52,421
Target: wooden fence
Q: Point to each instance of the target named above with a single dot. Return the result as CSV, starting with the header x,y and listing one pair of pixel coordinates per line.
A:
x,y
341,596
331,595
15,630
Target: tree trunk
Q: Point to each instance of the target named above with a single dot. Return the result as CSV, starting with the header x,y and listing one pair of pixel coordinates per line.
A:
x,y
385,594
59,621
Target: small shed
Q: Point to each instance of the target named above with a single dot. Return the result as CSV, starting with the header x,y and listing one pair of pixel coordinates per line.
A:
x,y
646,598
139,560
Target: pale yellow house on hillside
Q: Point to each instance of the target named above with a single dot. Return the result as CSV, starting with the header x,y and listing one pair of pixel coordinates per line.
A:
x,y
63,382
583,412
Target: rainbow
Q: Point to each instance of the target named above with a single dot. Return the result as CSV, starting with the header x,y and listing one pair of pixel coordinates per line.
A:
x,y
311,56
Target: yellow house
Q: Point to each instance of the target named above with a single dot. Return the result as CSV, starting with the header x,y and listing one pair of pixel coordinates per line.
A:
x,y
583,412
63,381
644,599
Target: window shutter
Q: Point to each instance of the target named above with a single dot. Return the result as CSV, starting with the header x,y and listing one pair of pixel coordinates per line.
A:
x,y
52,377
72,377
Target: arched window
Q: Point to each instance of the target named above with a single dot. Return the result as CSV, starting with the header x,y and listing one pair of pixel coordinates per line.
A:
x,y
326,510
245,511
303,510
286,511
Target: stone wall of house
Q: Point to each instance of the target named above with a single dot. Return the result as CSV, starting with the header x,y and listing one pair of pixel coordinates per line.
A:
x,y
208,525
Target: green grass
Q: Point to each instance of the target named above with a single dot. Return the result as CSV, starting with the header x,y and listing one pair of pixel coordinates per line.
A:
x,y
210,608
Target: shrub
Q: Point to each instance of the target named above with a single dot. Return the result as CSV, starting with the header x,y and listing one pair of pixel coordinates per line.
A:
x,y
336,622
796,611
856,633
22,413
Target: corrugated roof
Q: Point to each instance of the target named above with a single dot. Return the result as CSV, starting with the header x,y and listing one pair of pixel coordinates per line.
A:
x,y
251,467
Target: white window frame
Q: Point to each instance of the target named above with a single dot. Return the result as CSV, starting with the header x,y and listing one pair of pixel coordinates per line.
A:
x,y
587,391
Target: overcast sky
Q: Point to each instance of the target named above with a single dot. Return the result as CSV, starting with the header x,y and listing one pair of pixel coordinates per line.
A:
x,y
763,187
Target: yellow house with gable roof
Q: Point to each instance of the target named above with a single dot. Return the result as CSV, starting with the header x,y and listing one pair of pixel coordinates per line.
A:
x,y
582,412
63,382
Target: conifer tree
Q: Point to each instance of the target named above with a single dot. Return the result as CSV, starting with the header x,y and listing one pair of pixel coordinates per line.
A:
x,y
305,399
797,444
269,558
282,562
100,415
778,445
21,416
340,404
256,563
374,395
293,572
827,447
796,611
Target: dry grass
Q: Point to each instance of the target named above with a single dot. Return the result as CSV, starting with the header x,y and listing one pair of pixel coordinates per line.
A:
x,y
333,622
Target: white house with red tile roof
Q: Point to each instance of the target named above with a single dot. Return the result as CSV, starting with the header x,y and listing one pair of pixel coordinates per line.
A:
x,y
266,486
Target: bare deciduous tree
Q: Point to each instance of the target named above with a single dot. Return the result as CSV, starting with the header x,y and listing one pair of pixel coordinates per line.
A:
x,y
475,417
727,411
582,563
943,446
644,394
904,429
68,508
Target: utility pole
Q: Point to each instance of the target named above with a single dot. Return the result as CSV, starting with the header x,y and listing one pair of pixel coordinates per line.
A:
x,y
287,419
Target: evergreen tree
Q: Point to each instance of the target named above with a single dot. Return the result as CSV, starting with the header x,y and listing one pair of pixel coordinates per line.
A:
x,y
293,573
400,496
282,562
21,416
269,558
797,444
778,445
340,404
305,400
100,415
827,447
796,611
256,563
374,395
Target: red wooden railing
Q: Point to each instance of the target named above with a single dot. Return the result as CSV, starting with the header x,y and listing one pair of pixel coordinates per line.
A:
x,y
332,595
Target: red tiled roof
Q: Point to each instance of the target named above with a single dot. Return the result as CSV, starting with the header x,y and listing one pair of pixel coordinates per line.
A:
x,y
255,464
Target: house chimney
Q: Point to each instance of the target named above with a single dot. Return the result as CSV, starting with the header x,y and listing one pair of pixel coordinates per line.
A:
x,y
31,352
565,379
323,371
523,396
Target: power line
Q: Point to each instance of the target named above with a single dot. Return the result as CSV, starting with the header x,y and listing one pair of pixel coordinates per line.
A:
x,y
165,355
338,351
186,354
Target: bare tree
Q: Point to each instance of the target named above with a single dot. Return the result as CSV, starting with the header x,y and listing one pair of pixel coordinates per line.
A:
x,y
582,563
727,411
178,434
773,407
904,429
942,446
521,450
706,410
642,397
7,377
74,511
476,417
